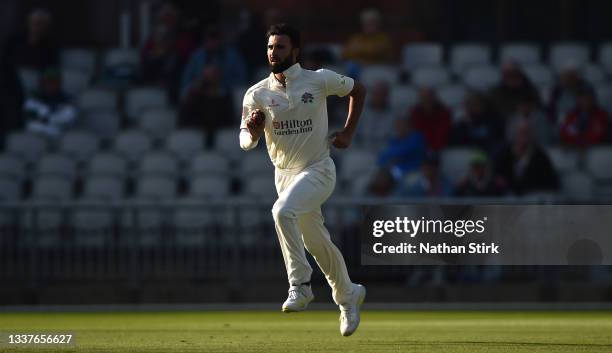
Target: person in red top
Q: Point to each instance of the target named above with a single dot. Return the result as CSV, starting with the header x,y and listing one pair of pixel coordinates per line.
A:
x,y
432,118
587,123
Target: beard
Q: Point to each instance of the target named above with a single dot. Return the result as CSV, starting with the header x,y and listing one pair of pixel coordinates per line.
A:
x,y
281,66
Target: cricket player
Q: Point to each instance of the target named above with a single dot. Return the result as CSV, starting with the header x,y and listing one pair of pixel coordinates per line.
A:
x,y
290,108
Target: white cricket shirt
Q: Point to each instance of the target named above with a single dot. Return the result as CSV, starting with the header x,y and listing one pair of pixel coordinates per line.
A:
x,y
296,115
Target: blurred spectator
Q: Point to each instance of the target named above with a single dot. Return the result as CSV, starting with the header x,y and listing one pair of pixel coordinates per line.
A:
x,y
214,53
587,123
316,58
479,127
514,88
166,51
405,150
480,181
50,110
428,182
207,104
524,165
432,118
564,94
381,185
372,45
376,123
544,132
34,48
252,30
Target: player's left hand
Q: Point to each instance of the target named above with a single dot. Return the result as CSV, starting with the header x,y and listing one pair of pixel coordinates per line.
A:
x,y
341,139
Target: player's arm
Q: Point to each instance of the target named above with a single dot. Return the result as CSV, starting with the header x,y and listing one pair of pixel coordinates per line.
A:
x,y
252,124
251,133
343,138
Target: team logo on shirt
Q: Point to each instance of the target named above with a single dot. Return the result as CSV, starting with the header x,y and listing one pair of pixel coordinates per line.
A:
x,y
307,97
273,103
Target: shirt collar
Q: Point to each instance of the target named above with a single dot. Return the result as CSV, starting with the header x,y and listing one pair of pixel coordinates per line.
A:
x,y
292,72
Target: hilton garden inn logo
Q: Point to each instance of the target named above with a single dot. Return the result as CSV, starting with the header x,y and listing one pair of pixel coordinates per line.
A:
x,y
292,127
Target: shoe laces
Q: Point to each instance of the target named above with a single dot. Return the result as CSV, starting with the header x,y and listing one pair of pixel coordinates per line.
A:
x,y
346,311
293,294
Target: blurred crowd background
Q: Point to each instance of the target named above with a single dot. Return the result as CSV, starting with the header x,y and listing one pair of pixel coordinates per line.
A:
x,y
138,103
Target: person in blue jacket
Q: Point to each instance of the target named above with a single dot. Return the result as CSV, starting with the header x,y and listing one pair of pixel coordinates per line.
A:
x,y
404,152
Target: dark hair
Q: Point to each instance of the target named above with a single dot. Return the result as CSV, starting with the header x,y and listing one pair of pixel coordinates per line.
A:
x,y
284,29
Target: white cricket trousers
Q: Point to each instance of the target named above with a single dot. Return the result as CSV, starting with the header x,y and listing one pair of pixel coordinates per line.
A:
x,y
299,222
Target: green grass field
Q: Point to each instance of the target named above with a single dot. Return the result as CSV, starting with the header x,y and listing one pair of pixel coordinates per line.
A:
x,y
317,331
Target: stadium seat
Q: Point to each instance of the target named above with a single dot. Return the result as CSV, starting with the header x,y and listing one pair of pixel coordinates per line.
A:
x,y
452,95
577,186
93,224
209,163
103,123
604,95
539,74
481,78
120,57
209,186
107,164
103,187
402,97
12,166
55,188
56,164
256,163
422,54
374,73
430,76
594,74
80,59
605,57
563,159
29,80
42,224
146,219
357,187
599,162
192,224
464,56
522,53
455,162
159,163
74,81
10,189
98,99
156,187
260,186
185,144
227,142
357,162
158,122
27,145
138,100
132,144
562,53
79,144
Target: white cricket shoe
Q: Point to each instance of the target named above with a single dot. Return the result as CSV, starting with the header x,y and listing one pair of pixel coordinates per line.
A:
x,y
349,312
298,299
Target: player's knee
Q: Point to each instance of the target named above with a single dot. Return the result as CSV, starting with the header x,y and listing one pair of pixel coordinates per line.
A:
x,y
280,211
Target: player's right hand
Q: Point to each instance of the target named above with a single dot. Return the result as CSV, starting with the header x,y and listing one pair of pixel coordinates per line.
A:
x,y
255,123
